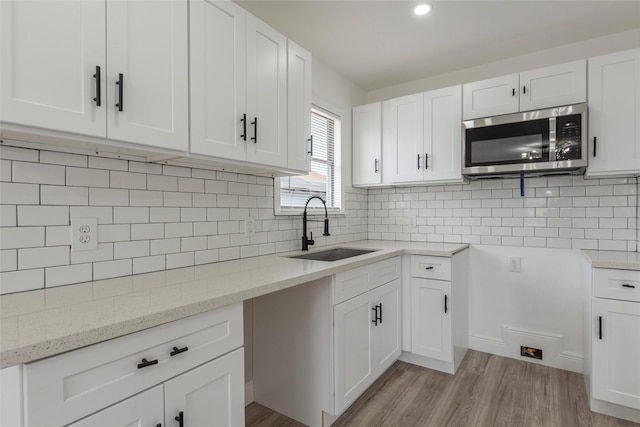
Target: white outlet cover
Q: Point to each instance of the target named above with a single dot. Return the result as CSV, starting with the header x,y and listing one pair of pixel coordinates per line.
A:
x,y
249,227
84,234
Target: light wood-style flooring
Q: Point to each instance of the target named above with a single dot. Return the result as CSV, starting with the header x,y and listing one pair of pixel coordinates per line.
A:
x,y
487,390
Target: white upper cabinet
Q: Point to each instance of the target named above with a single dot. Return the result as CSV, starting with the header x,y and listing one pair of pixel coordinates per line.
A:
x,y
367,144
553,86
542,88
55,73
50,54
266,94
403,134
614,114
443,135
299,107
490,97
218,79
422,137
147,77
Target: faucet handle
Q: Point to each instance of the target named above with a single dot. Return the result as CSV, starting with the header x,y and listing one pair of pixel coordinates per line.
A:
x,y
310,241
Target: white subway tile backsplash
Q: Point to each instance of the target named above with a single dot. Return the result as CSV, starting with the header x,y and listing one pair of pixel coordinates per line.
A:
x,y
148,168
130,215
203,173
19,194
194,243
108,197
43,257
193,214
178,229
164,215
107,163
147,231
131,180
204,200
176,171
109,269
64,159
177,199
21,281
8,260
103,253
15,153
67,274
84,177
149,264
104,215
61,195
191,185
162,183
8,216
216,187
207,256
184,259
21,237
58,235
5,170
165,246
43,215
133,249
114,233
145,198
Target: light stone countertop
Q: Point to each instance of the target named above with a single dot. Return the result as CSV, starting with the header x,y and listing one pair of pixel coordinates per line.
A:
x,y
613,259
46,322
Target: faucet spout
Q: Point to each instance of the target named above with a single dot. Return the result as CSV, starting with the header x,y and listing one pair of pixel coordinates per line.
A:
x,y
306,242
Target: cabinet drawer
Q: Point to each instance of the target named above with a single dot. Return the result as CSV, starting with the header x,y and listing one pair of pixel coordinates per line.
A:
x,y
431,267
64,388
616,284
354,282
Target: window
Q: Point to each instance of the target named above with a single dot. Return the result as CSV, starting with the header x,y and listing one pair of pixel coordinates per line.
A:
x,y
324,180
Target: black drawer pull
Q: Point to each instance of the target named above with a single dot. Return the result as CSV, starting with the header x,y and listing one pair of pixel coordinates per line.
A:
x,y
426,161
177,350
180,419
418,161
600,327
429,268
375,315
626,285
446,308
375,166
144,363
380,313
595,140
120,84
254,138
244,127
513,92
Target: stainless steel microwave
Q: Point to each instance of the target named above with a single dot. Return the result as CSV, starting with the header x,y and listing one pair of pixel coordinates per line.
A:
x,y
553,140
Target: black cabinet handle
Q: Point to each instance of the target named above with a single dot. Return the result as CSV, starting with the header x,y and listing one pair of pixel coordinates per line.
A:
x,y
144,363
380,313
513,92
375,166
595,140
120,84
310,152
426,161
255,130
98,98
177,350
375,315
158,425
626,285
524,89
429,268
446,308
600,327
180,419
244,127
418,161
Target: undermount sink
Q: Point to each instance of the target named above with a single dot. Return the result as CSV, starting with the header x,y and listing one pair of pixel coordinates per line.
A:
x,y
335,254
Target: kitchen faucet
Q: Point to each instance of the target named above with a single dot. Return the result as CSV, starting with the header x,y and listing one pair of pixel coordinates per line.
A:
x,y
305,241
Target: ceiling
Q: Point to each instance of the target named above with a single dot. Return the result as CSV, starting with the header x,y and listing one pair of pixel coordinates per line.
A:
x,y
376,44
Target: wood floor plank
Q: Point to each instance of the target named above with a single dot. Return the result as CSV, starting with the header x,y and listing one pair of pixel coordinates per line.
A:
x,y
487,391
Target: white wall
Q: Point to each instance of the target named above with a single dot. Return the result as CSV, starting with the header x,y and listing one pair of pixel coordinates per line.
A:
x,y
584,49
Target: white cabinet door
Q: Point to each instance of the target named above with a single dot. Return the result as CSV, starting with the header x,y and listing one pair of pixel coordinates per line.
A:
x,y
210,395
616,352
144,409
443,134
147,46
367,144
403,138
614,108
387,335
267,94
431,318
353,343
218,79
562,84
490,97
50,51
299,107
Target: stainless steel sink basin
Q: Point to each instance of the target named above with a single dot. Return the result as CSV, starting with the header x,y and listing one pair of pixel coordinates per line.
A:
x,y
335,254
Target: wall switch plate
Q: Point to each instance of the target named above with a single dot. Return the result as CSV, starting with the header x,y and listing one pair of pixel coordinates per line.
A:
x,y
249,227
84,234
515,264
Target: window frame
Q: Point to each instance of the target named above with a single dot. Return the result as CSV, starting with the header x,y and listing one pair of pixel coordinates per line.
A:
x,y
316,208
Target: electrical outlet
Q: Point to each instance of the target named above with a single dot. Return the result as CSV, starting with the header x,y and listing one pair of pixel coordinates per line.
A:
x,y
413,219
84,234
515,264
249,227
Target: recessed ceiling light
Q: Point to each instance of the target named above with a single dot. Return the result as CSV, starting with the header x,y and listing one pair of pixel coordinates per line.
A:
x,y
422,9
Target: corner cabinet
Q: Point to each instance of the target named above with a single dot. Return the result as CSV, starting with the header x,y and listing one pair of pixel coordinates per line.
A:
x,y
611,341
60,80
435,311
422,137
192,369
367,145
334,338
553,86
614,114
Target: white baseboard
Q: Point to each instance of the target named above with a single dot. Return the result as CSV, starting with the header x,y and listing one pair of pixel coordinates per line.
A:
x,y
248,393
512,338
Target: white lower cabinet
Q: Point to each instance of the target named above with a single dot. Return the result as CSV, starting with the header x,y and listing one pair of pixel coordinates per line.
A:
x,y
431,318
193,365
612,341
367,340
